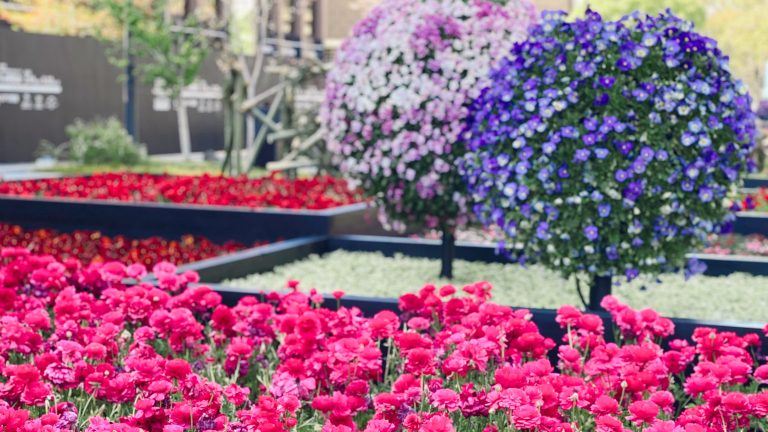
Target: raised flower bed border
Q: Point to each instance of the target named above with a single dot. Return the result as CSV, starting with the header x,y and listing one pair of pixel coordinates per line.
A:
x,y
751,222
756,182
544,318
265,258
262,259
218,223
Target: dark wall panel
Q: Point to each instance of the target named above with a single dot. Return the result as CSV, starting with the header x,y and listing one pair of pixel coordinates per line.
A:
x,y
88,88
48,81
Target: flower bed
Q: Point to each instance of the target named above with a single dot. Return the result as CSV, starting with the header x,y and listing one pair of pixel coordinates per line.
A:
x,y
273,191
83,350
752,245
94,246
755,201
531,286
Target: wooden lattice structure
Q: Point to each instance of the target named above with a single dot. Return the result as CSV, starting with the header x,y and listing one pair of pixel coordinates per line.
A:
x,y
283,90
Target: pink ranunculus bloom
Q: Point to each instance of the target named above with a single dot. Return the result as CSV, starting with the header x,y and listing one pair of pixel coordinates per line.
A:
x,y
445,399
437,423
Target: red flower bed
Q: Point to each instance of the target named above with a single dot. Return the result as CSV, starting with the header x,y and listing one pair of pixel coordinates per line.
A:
x,y
316,193
753,245
93,246
757,201
80,349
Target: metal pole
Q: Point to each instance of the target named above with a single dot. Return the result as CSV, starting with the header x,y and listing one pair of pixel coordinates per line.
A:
x,y
129,88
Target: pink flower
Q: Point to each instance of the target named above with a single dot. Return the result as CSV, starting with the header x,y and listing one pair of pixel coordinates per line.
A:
x,y
437,423
604,405
665,426
379,426
609,424
445,399
761,374
643,411
447,290
419,323
236,395
664,399
526,417
420,361
736,402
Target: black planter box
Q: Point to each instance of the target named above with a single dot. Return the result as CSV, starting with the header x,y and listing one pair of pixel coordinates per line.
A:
x,y
544,318
218,223
266,258
756,182
263,259
723,265
751,222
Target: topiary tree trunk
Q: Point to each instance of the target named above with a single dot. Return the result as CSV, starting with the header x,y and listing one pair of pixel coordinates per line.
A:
x,y
447,253
601,287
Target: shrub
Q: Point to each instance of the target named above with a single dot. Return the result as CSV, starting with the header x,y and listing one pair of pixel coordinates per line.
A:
x,y
609,147
397,97
102,141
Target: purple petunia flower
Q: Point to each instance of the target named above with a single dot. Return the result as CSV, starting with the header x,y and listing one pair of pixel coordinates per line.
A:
x,y
624,64
602,99
601,153
706,194
569,132
631,274
542,231
692,171
522,192
633,190
620,175
625,147
591,233
581,155
640,95
607,81
604,209
612,253
590,123
693,267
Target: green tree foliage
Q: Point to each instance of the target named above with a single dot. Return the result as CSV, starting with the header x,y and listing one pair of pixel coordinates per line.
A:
x,y
692,10
165,51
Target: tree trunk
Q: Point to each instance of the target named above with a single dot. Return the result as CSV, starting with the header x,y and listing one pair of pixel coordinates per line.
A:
x,y
601,287
250,132
448,252
238,121
185,142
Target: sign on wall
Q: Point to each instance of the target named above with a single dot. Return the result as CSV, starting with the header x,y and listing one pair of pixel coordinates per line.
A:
x,y
29,92
200,96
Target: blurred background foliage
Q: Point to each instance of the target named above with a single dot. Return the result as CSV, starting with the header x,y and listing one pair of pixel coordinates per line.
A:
x,y
738,25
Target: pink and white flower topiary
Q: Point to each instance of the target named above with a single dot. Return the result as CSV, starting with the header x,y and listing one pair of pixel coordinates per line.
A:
x,y
397,97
